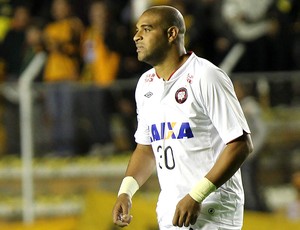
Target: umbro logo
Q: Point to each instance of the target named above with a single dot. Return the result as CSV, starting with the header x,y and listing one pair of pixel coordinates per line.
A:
x,y
149,94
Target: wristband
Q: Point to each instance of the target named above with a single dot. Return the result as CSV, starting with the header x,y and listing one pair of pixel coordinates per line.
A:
x,y
202,190
129,186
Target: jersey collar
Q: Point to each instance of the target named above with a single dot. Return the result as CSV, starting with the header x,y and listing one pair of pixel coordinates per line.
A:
x,y
178,71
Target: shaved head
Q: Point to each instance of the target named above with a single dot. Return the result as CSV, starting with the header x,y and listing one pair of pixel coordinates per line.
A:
x,y
169,16
160,35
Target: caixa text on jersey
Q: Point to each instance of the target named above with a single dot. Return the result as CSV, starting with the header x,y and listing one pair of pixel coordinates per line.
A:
x,y
170,130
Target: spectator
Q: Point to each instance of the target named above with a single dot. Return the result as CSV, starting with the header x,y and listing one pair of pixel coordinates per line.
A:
x,y
250,23
281,58
101,61
12,54
12,46
286,12
252,111
62,40
33,42
130,68
100,67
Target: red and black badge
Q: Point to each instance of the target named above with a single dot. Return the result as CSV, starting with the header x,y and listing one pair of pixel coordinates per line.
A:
x,y
181,95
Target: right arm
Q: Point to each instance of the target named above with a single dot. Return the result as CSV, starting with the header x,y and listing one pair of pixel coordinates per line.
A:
x,y
140,167
141,164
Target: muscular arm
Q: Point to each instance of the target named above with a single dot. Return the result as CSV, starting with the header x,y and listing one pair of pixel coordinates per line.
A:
x,y
230,160
141,164
140,167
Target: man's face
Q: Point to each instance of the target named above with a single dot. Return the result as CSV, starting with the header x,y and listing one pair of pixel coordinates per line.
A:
x,y
151,39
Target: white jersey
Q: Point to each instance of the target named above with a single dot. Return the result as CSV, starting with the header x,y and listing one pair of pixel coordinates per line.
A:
x,y
188,120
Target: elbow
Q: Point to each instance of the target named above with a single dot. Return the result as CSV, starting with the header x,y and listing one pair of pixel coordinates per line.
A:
x,y
250,148
249,144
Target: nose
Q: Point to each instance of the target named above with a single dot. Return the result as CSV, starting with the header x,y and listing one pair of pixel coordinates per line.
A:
x,y
137,36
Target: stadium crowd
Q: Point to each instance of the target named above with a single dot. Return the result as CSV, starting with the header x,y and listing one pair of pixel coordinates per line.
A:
x,y
90,43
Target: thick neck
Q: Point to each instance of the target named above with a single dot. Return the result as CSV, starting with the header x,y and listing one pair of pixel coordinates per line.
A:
x,y
172,62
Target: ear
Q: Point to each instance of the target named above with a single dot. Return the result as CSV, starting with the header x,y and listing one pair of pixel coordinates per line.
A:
x,y
172,33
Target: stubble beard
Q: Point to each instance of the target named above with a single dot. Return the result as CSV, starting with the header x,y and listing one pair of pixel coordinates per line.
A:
x,y
153,58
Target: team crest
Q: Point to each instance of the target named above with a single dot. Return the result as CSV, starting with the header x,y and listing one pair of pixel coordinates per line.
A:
x,y
181,95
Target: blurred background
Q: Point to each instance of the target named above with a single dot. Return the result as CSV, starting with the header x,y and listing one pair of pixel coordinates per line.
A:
x,y
68,71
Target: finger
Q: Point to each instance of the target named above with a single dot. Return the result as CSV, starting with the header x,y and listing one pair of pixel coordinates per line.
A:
x,y
116,214
125,208
175,218
181,220
118,220
126,218
190,220
123,220
194,219
121,223
119,211
187,221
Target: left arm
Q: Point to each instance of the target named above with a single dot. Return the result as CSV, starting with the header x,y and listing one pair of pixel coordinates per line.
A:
x,y
218,97
230,160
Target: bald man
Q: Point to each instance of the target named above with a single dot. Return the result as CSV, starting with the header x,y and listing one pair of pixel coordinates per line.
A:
x,y
191,129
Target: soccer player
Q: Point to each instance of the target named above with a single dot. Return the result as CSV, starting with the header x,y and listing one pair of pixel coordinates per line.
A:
x,y
191,128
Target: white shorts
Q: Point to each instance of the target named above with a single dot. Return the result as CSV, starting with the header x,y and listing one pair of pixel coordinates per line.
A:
x,y
202,225
220,219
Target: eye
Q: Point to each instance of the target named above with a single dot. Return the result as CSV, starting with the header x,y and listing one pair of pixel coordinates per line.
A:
x,y
147,28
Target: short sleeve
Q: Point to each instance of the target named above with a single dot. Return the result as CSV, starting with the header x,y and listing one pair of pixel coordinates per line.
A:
x,y
141,135
222,105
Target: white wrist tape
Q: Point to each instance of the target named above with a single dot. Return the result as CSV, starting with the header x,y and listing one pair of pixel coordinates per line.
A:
x,y
202,190
129,186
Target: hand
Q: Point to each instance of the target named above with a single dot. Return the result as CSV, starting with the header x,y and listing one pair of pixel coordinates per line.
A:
x,y
121,210
187,212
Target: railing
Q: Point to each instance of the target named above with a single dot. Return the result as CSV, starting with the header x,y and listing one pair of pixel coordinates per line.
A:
x,y
27,149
